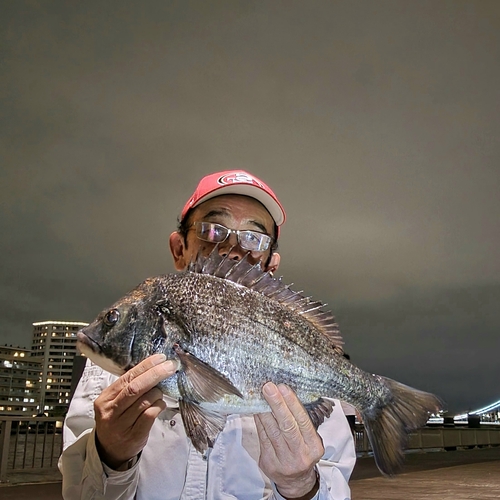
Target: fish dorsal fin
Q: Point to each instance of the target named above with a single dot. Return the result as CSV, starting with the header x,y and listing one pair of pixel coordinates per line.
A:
x,y
253,277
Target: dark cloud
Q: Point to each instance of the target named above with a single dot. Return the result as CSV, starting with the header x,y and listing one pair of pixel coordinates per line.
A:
x,y
375,122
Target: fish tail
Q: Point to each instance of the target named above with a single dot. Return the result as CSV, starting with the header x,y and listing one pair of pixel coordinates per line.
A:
x,y
388,428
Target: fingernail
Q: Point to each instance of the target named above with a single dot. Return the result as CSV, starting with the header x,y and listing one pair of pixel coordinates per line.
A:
x,y
269,389
283,389
160,357
171,365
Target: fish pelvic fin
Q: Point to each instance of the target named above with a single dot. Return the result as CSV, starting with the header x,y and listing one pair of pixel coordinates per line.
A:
x,y
319,410
388,428
202,426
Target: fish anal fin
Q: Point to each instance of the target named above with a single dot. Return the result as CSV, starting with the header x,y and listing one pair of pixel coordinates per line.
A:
x,y
202,426
201,382
319,410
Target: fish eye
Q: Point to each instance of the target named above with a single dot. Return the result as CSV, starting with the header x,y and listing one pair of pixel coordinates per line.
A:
x,y
111,317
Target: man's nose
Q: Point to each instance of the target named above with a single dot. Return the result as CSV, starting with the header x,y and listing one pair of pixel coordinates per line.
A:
x,y
230,248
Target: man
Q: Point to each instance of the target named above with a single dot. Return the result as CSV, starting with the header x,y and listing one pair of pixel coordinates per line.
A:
x,y
125,440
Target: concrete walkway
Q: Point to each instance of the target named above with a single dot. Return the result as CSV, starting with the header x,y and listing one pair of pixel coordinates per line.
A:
x,y
44,491
455,475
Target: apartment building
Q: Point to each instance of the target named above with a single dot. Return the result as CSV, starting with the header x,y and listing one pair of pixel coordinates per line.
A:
x,y
20,378
54,344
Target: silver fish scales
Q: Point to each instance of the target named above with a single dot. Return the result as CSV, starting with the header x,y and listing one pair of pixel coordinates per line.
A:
x,y
231,328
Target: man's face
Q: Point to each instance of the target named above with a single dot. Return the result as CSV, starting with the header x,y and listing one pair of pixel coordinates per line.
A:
x,y
234,212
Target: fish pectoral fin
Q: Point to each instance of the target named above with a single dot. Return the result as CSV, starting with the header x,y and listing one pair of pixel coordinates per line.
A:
x,y
200,381
319,410
202,426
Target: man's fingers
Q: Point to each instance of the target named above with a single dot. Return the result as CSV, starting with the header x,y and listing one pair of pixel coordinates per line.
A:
x,y
300,415
145,381
147,417
156,369
144,366
265,443
141,405
307,434
278,402
122,393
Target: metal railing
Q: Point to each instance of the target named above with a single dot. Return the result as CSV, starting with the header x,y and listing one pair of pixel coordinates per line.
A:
x,y
439,438
33,443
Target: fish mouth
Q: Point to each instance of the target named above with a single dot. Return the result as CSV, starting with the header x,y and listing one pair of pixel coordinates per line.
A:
x,y
85,343
92,350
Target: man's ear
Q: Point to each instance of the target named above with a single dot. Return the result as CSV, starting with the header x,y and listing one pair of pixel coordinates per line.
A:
x,y
274,262
178,251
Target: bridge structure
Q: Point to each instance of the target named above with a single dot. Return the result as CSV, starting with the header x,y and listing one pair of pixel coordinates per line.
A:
x,y
488,414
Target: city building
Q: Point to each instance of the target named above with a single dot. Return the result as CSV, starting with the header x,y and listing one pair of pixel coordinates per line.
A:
x,y
54,343
20,376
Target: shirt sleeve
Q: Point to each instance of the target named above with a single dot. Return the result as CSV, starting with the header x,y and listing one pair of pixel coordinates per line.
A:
x,y
85,477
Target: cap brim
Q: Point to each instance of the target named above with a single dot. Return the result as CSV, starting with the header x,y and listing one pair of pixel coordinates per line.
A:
x,y
271,205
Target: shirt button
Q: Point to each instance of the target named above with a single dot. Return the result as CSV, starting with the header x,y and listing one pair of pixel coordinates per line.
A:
x,y
172,423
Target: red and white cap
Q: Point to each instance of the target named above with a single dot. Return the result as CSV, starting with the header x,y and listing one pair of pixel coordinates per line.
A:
x,y
236,182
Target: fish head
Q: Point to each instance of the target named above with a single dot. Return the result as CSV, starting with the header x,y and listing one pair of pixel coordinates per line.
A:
x,y
137,326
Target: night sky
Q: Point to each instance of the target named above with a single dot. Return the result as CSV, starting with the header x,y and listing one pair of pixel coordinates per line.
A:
x,y
377,123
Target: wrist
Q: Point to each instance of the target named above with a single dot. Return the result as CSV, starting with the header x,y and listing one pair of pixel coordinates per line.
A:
x,y
127,465
306,496
118,464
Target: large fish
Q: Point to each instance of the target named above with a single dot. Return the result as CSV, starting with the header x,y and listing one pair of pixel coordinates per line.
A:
x,y
231,328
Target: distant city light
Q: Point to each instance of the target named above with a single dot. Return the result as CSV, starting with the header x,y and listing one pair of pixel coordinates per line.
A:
x,y
481,411
70,323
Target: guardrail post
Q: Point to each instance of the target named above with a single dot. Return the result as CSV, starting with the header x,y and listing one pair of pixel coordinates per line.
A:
x,y
4,449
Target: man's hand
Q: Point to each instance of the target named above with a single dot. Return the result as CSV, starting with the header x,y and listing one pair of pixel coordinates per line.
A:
x,y
290,447
126,410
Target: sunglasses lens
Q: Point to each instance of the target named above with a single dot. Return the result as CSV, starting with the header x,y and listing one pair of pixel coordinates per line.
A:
x,y
208,231
248,240
254,241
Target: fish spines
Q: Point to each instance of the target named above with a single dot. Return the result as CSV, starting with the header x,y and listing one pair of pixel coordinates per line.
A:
x,y
253,277
388,427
